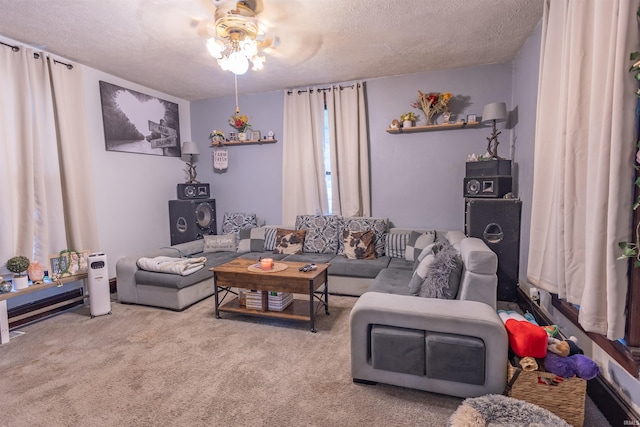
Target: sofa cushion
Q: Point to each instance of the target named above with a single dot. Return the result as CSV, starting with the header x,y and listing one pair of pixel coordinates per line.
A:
x,y
219,243
400,263
322,233
417,242
251,240
443,277
420,272
233,222
391,281
359,244
476,257
310,258
456,358
270,238
263,254
378,225
398,349
396,244
289,241
367,268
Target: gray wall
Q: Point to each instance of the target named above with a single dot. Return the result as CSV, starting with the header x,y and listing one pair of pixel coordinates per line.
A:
x,y
416,179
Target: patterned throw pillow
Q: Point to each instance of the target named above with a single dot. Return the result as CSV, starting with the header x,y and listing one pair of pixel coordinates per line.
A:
x,y
234,222
417,242
322,233
289,241
270,238
222,243
359,244
251,240
396,244
378,225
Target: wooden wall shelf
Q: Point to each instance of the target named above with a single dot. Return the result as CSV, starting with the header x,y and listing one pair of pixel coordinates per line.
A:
x,y
446,126
246,142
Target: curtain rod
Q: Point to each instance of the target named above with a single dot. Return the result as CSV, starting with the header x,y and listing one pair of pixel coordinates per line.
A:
x,y
13,48
322,89
36,55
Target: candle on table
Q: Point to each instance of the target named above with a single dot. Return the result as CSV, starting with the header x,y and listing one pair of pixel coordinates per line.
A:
x,y
266,263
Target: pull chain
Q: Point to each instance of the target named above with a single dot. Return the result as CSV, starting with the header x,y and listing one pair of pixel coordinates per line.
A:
x,y
235,76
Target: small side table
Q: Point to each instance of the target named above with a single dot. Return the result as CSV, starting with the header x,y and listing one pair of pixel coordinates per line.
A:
x,y
4,315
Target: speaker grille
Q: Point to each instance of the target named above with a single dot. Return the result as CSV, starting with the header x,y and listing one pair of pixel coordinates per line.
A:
x,y
497,223
191,219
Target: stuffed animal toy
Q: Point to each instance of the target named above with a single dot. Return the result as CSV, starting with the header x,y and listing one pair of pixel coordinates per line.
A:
x,y
525,338
578,364
561,348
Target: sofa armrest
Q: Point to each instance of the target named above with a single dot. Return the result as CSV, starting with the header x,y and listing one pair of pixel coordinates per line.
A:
x,y
479,281
126,268
470,318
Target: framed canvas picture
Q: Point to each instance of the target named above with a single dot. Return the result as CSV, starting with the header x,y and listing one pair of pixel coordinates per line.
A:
x,y
68,263
137,123
255,135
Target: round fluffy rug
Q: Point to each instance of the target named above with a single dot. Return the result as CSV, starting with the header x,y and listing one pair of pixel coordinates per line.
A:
x,y
497,410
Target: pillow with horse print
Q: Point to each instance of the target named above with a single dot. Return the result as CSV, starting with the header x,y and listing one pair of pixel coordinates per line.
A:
x,y
359,244
289,241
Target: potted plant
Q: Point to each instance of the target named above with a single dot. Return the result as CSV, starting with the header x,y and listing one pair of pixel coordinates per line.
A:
x,y
18,265
408,119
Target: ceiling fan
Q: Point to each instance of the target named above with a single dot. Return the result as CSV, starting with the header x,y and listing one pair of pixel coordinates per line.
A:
x,y
236,36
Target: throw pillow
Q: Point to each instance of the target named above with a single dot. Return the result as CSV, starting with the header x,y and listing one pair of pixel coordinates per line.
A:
x,y
322,233
417,242
420,273
233,222
443,278
270,238
289,241
251,240
219,243
396,244
378,225
359,244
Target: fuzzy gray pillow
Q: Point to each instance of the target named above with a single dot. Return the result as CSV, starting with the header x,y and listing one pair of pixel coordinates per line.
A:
x,y
443,278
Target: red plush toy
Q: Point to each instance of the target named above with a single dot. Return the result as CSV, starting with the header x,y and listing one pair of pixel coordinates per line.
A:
x,y
526,339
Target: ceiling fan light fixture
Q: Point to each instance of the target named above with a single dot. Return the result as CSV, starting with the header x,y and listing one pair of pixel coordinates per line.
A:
x,y
238,63
236,37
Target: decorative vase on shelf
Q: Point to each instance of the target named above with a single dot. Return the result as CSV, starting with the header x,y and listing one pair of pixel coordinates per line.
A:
x,y
20,282
242,136
407,124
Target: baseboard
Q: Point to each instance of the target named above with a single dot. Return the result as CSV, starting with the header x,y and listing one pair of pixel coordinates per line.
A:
x,y
21,314
606,399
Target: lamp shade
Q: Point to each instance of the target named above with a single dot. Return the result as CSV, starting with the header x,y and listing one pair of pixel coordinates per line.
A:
x,y
190,147
496,111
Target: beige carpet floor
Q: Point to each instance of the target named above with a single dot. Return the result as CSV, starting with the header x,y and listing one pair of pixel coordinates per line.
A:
x,y
145,366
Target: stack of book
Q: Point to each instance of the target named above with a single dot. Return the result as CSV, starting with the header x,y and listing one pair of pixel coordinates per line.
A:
x,y
278,301
253,300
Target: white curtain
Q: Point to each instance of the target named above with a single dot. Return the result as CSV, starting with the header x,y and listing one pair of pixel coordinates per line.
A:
x,y
351,194
303,184
46,193
584,152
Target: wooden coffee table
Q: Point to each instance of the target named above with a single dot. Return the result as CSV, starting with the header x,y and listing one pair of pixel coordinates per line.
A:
x,y
236,274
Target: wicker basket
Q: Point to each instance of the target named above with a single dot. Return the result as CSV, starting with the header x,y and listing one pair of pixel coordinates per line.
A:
x,y
562,396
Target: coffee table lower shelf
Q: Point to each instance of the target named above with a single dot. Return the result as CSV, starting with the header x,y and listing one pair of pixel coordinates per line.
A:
x,y
297,310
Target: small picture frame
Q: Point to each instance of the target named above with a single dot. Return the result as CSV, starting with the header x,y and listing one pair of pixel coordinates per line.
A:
x,y
471,118
255,135
233,136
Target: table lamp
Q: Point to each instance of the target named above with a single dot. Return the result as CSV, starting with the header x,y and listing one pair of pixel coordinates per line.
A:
x,y
190,148
496,112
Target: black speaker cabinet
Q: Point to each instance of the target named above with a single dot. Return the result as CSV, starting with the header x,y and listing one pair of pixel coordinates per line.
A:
x,y
191,219
490,187
199,190
497,223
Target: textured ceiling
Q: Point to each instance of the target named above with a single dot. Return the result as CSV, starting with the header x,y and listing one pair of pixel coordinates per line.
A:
x,y
156,43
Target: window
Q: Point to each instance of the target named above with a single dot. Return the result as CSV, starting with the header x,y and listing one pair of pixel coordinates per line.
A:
x,y
326,152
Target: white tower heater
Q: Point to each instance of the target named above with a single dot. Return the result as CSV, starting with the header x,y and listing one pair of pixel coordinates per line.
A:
x,y
99,295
